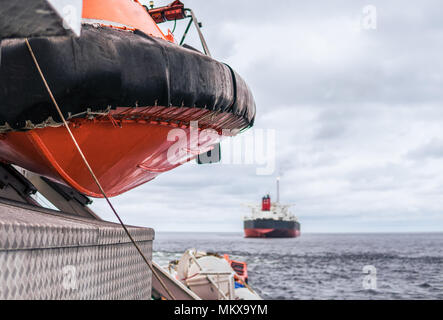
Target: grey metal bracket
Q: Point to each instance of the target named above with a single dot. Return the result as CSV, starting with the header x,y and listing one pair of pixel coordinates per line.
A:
x,y
62,197
20,185
14,186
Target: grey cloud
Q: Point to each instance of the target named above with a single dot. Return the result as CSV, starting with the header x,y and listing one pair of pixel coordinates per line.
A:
x,y
395,63
431,150
357,115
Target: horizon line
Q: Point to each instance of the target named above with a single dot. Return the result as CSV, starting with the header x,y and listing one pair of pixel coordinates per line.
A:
x,y
318,232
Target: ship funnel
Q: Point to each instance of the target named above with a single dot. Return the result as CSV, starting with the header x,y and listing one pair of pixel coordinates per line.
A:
x,y
266,203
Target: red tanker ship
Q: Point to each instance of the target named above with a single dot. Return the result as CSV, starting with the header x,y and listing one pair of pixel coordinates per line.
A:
x,y
271,220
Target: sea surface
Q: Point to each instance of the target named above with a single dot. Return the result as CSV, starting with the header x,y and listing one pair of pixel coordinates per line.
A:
x,y
326,266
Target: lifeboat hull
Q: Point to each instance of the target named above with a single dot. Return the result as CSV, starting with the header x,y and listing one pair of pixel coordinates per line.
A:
x,y
122,155
123,93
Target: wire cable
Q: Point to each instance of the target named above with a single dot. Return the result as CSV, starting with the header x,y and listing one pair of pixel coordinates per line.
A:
x,y
92,172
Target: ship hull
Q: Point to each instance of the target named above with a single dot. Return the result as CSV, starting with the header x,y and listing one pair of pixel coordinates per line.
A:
x,y
269,228
271,233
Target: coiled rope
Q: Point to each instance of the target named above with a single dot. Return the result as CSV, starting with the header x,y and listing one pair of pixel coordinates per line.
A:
x,y
92,172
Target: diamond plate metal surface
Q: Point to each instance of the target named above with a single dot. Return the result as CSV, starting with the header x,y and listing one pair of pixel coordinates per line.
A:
x,y
52,256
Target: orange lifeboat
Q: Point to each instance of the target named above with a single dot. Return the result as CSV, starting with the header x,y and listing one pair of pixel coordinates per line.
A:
x,y
137,103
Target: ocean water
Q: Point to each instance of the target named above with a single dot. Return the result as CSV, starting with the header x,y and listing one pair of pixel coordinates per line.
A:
x,y
326,266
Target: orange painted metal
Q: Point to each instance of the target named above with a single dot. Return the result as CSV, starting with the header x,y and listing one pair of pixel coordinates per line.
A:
x,y
126,148
171,12
240,268
129,13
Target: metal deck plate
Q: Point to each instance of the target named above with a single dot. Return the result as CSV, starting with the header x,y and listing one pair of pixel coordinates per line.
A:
x,y
47,255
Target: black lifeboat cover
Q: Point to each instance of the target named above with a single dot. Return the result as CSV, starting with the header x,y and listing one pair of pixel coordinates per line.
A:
x,y
107,67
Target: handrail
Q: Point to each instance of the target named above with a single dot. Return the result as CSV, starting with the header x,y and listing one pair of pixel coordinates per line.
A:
x,y
200,34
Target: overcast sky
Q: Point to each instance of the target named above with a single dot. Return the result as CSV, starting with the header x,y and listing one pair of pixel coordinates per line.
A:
x,y
357,114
